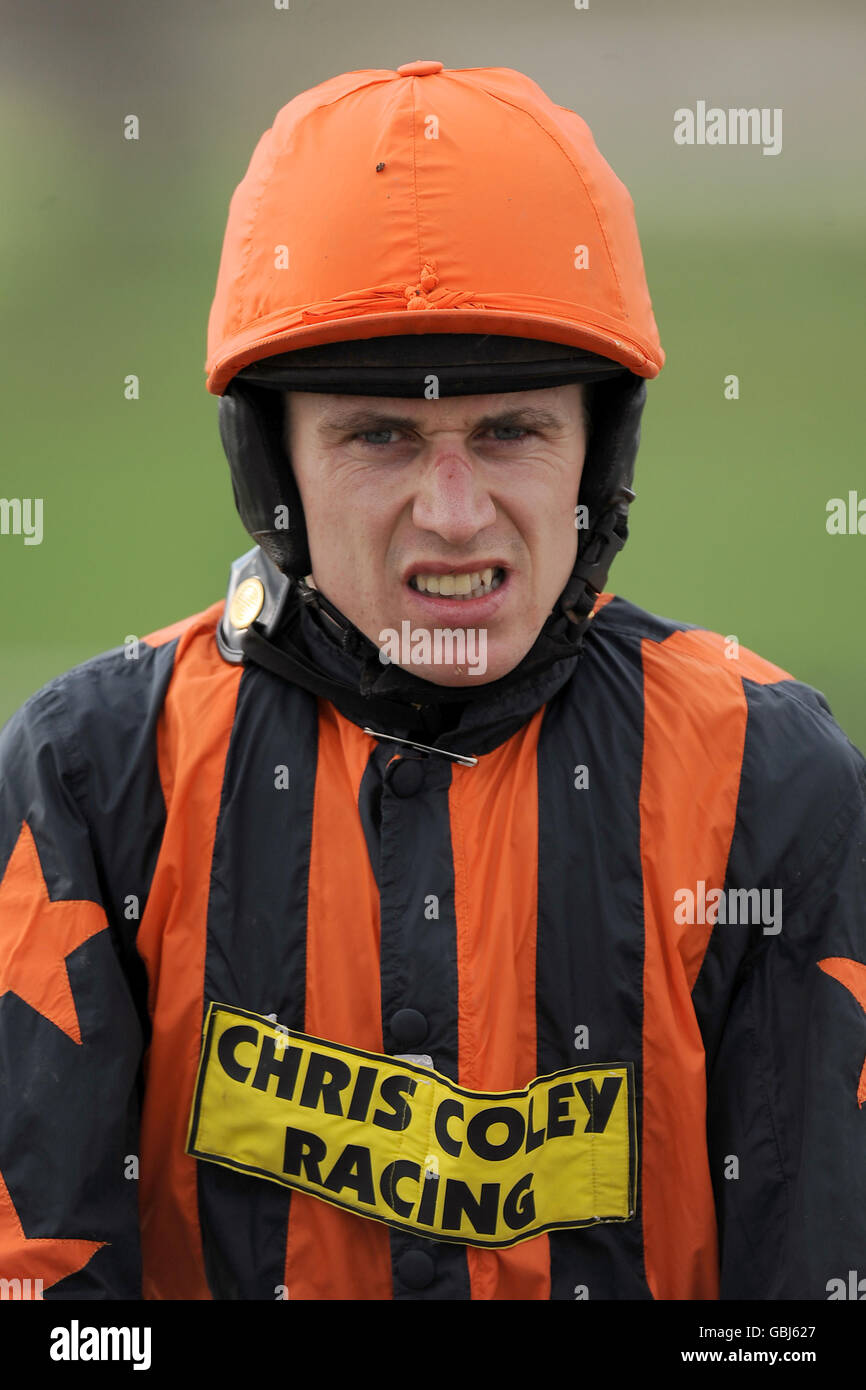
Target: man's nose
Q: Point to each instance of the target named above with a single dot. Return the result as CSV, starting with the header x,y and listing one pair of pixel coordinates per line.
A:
x,y
452,499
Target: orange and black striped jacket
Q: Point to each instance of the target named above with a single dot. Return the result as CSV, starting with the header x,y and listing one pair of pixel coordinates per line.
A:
x,y
178,832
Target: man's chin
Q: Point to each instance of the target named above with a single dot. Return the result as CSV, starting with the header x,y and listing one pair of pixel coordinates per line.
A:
x,y
453,657
476,668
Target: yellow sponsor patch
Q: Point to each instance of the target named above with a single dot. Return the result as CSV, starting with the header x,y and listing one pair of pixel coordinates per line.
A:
x,y
400,1143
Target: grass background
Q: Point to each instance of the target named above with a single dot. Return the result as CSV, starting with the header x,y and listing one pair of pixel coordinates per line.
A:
x,y
109,251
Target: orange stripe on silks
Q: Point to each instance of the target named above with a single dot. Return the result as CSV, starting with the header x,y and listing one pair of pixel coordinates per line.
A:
x,y
334,1254
167,634
601,602
712,648
694,734
494,834
192,742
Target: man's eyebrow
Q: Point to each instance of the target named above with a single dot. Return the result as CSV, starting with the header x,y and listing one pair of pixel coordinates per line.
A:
x,y
367,418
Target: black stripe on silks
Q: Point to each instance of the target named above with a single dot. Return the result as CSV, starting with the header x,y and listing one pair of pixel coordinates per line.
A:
x,y
590,949
256,947
412,858
782,1072
370,811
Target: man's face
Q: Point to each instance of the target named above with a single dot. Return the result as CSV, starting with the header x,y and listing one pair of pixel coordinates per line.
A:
x,y
411,503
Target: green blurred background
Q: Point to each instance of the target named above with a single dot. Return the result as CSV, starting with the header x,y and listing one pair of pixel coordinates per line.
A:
x,y
109,251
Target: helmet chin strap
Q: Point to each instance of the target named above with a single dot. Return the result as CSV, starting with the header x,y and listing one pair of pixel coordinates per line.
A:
x,y
394,682
561,635
589,576
376,677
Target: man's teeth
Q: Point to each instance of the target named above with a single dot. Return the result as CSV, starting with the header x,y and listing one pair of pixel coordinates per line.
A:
x,y
474,585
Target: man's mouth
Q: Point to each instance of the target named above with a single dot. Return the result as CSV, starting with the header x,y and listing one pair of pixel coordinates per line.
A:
x,y
467,584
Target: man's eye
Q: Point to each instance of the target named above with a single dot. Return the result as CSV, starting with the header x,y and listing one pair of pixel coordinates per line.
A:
x,y
514,430
374,438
